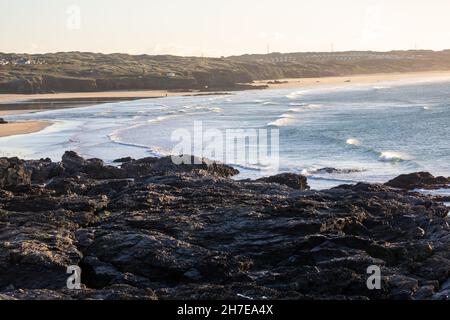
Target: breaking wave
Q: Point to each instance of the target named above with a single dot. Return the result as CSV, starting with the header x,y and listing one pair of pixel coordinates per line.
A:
x,y
281,122
294,95
353,142
394,156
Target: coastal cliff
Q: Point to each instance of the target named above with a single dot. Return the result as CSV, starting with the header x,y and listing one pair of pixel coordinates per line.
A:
x,y
90,72
149,229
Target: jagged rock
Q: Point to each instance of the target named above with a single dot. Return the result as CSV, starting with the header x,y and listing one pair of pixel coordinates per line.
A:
x,y
3,121
292,180
165,166
13,173
418,180
93,168
334,170
152,229
114,292
122,160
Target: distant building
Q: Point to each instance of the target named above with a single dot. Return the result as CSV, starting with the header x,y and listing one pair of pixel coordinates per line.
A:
x,y
22,62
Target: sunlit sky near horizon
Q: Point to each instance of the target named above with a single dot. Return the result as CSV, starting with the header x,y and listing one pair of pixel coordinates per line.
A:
x,y
222,27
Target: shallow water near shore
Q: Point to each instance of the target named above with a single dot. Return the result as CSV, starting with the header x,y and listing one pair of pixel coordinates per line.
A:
x,y
366,133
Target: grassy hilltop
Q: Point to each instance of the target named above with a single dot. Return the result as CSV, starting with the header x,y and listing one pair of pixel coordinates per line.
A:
x,y
83,71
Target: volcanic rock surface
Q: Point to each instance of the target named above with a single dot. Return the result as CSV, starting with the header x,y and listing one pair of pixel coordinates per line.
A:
x,y
151,229
419,180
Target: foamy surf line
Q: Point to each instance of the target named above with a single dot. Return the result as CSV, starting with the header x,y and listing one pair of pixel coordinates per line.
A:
x,y
386,156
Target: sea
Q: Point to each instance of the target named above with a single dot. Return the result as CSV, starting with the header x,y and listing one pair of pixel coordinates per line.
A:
x,y
335,135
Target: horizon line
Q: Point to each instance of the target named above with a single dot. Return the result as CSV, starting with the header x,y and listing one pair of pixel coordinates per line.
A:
x,y
220,57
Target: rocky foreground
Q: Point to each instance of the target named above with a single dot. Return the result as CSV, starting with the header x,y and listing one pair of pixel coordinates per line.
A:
x,y
152,230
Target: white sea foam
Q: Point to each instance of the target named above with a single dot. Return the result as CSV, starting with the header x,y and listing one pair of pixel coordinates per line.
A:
x,y
286,115
381,87
117,138
353,141
161,118
281,122
294,95
313,106
394,156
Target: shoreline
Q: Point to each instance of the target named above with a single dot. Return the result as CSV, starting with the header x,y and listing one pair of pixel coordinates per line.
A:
x,y
284,83
292,83
22,127
136,94
16,104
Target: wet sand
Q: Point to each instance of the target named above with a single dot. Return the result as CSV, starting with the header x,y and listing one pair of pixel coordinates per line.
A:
x,y
107,95
15,128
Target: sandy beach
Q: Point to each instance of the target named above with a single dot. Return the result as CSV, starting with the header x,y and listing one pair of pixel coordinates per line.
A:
x,y
354,79
12,98
13,112
15,128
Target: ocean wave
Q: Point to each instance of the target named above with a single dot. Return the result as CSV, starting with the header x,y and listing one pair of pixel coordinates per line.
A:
x,y
269,103
385,156
286,115
381,87
161,118
394,156
246,166
295,94
156,151
216,109
303,107
312,106
281,122
353,141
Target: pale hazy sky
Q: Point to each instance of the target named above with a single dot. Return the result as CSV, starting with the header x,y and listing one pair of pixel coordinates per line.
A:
x,y
222,27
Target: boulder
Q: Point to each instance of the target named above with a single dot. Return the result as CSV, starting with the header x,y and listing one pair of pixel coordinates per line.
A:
x,y
122,160
418,180
292,180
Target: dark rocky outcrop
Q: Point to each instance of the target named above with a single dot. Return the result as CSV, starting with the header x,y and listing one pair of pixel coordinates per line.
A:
x,y
122,160
336,171
292,180
419,180
150,229
13,172
3,121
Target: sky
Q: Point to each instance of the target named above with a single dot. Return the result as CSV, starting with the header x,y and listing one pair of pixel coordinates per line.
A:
x,y
222,27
